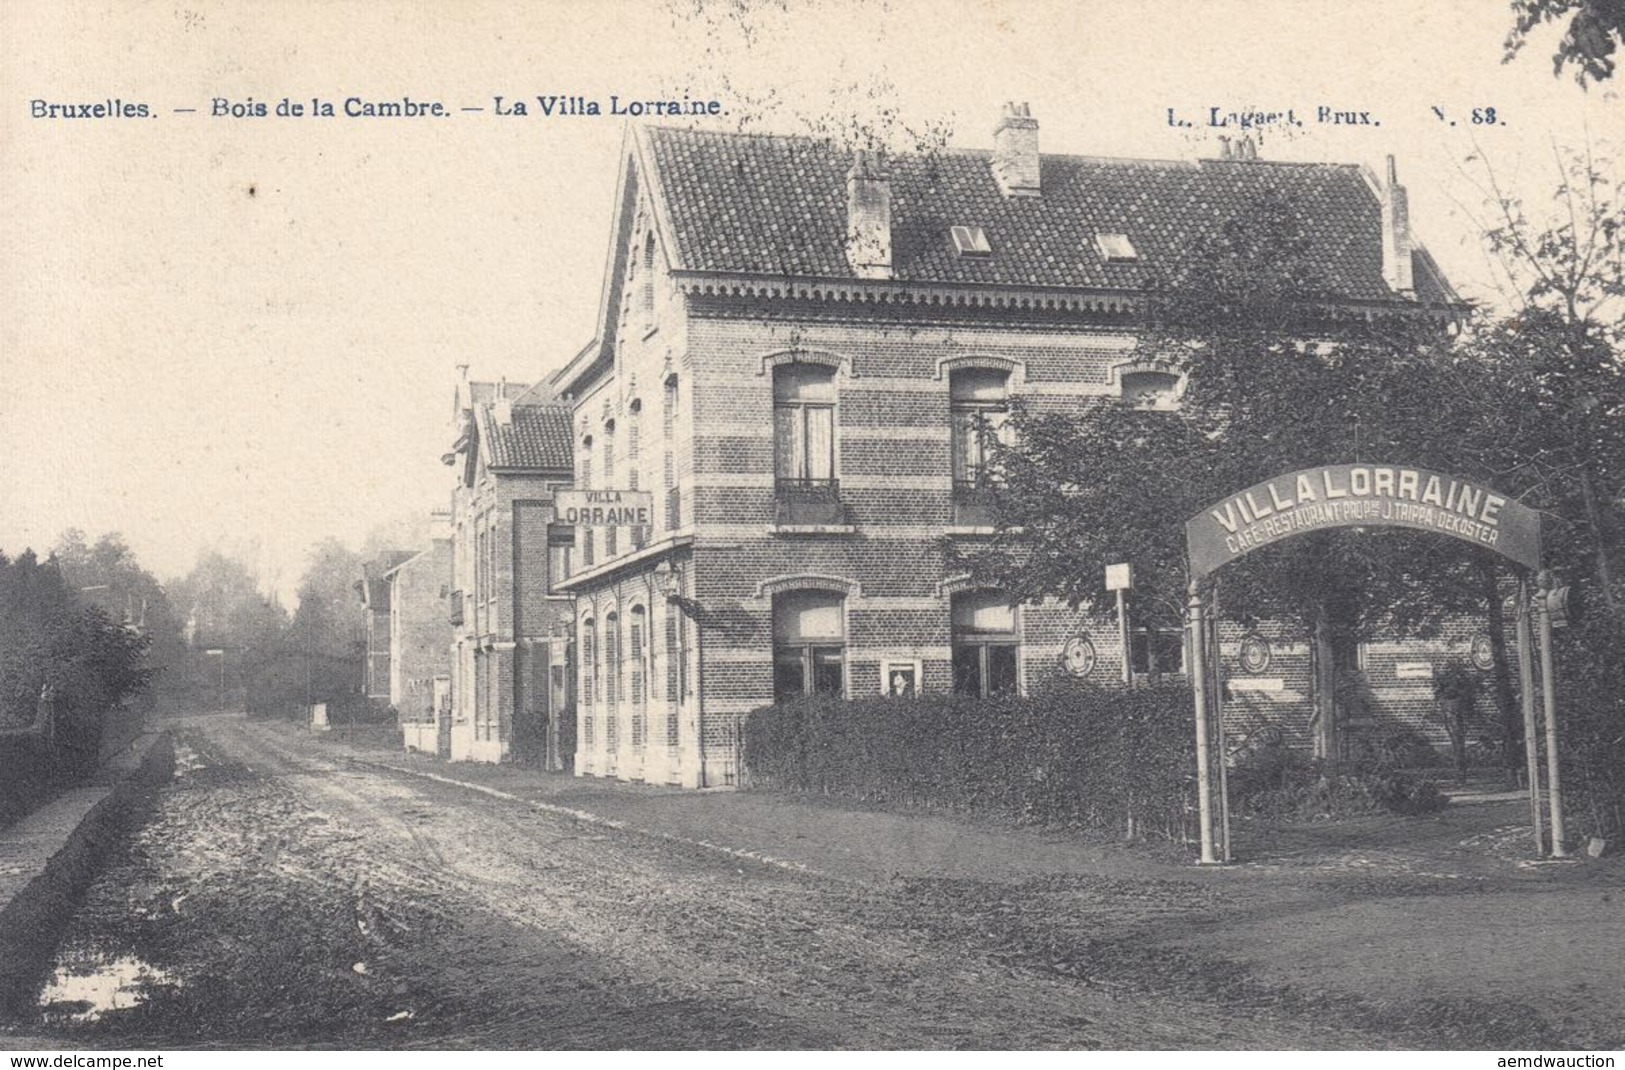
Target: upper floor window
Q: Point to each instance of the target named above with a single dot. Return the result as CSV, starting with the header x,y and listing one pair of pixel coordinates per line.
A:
x,y
646,296
804,423
1150,389
560,544
985,649
809,644
585,536
979,406
668,460
607,463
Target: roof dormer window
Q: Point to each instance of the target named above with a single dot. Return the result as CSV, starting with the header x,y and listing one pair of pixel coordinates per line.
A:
x,y
971,241
1116,248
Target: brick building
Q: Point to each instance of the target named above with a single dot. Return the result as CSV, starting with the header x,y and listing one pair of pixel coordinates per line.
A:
x,y
510,688
800,352
373,587
420,641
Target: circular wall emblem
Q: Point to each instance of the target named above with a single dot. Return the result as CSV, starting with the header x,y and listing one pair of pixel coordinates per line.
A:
x,y
1483,653
1078,656
1255,654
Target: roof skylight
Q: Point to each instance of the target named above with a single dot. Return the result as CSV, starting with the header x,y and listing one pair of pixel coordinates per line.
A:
x,y
1116,248
971,241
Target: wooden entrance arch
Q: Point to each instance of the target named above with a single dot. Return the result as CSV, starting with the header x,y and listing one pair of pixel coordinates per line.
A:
x,y
1363,496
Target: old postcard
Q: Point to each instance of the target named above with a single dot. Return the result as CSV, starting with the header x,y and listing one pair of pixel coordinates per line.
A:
x,y
756,524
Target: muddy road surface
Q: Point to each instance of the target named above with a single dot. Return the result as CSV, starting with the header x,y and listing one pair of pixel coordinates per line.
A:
x,y
286,896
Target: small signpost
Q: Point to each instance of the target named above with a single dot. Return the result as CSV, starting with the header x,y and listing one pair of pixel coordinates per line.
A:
x,y
1120,578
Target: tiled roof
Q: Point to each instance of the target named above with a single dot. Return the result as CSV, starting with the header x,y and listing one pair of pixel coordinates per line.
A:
x,y
373,586
767,205
538,436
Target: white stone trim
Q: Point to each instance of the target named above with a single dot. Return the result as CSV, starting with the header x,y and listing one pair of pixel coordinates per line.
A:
x,y
806,581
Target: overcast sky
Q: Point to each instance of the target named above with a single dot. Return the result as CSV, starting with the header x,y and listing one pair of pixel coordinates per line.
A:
x,y
241,332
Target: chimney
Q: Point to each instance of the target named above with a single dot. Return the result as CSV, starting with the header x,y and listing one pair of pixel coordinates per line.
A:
x,y
502,411
1015,152
1396,234
868,216
440,525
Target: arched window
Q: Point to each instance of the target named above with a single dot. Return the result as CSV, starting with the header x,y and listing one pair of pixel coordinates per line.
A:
x,y
607,463
612,678
675,673
979,405
668,422
584,537
589,676
985,649
637,655
634,418
809,644
804,424
647,296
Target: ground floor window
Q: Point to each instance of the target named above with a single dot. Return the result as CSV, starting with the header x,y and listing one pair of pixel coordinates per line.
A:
x,y
1158,651
809,644
985,649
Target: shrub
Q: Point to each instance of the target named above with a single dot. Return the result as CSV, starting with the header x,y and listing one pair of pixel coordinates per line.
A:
x,y
1070,754
1281,783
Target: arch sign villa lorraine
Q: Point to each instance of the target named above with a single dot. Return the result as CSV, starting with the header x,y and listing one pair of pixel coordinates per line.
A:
x,y
1361,496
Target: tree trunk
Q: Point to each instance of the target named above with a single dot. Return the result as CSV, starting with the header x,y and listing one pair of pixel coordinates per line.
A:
x,y
1325,688
1506,697
1594,521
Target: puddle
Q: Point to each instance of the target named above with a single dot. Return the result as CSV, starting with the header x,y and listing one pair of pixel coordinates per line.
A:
x,y
89,983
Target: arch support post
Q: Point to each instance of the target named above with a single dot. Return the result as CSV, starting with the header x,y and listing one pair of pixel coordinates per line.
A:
x,y
1526,691
1197,635
1548,692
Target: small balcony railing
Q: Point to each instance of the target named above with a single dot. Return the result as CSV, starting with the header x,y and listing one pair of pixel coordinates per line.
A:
x,y
973,502
808,501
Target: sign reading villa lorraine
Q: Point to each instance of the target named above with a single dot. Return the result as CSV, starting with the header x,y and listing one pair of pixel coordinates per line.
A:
x,y
1361,495
604,508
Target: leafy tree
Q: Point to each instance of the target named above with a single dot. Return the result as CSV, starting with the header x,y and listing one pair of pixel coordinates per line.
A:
x,y
1588,44
63,655
328,619
1552,394
224,605
1276,378
108,574
225,612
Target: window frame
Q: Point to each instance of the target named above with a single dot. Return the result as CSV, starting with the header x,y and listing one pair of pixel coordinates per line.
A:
x,y
800,410
810,654
961,639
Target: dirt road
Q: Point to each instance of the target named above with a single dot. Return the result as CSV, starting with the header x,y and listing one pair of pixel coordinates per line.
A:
x,y
285,896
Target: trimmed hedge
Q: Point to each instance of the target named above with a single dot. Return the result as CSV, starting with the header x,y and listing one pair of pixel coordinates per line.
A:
x,y
1071,755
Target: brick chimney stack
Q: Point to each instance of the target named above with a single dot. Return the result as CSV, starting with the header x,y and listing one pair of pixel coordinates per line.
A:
x,y
1396,234
868,216
1015,152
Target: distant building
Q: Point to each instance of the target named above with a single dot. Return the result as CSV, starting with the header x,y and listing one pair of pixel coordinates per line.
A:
x,y
373,586
801,353
510,682
420,635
